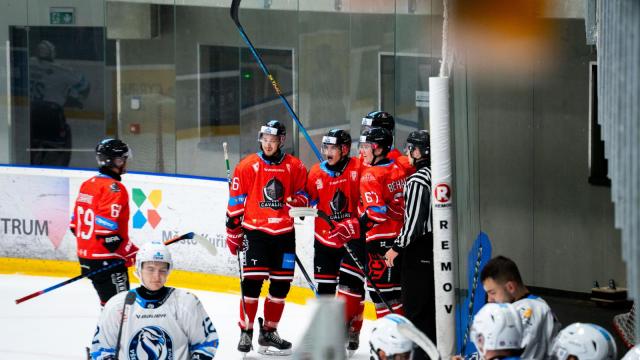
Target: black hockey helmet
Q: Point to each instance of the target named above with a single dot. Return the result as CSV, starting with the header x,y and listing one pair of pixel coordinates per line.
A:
x,y
273,127
337,137
379,119
112,152
379,136
419,139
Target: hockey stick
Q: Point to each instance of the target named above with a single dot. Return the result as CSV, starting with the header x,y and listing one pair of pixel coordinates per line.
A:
x,y
225,149
129,300
418,337
97,271
314,212
235,5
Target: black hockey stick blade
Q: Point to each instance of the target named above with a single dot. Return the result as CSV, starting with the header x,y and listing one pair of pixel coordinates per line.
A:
x,y
235,6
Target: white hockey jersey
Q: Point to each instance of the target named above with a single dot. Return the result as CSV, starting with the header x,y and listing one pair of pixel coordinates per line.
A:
x,y
52,82
539,326
175,328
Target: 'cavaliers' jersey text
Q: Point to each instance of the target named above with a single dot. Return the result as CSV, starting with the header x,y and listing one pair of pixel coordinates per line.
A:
x,y
335,193
259,189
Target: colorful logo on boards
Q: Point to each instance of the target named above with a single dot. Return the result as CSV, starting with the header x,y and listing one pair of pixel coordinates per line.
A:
x,y
146,204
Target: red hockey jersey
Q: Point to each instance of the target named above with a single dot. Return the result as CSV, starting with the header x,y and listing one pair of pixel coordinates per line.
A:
x,y
381,193
402,161
259,189
101,218
335,193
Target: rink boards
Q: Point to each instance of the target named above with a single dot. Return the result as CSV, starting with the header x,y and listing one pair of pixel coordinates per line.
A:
x,y
36,206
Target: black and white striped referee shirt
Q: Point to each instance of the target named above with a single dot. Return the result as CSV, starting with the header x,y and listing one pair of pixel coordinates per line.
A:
x,y
417,211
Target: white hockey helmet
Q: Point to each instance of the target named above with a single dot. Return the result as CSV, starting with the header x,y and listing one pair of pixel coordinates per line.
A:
x,y
496,327
385,336
584,341
633,354
152,251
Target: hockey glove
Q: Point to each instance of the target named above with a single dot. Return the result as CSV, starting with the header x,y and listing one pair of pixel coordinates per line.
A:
x,y
298,200
128,251
234,239
345,231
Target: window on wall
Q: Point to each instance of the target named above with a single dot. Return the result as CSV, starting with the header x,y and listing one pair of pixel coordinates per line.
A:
x,y
235,97
404,90
58,94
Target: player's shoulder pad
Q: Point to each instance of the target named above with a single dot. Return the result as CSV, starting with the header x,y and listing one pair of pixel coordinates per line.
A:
x,y
294,161
187,296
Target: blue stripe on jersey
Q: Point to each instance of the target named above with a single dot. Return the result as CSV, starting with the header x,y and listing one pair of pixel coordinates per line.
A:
x,y
379,209
314,202
202,346
237,200
302,192
95,354
106,223
323,167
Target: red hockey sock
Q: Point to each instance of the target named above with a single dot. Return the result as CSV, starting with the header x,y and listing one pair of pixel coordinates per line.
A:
x,y
382,310
354,306
252,308
356,323
273,308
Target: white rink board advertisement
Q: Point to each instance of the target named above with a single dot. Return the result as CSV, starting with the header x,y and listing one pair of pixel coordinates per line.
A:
x,y
36,205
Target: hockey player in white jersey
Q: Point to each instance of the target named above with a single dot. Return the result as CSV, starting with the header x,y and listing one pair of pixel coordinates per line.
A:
x,y
582,341
52,87
162,323
502,282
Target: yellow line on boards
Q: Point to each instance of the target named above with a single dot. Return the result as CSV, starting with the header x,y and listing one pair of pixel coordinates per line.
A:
x,y
177,278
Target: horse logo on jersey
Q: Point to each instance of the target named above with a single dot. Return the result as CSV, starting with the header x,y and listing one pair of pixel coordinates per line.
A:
x,y
338,205
151,343
273,194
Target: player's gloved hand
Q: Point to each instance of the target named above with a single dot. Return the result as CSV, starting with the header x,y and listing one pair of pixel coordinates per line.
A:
x,y
130,260
234,239
297,200
345,231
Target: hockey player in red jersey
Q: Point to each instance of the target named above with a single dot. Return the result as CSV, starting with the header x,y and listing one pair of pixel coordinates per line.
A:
x,y
100,221
381,211
385,120
333,187
258,223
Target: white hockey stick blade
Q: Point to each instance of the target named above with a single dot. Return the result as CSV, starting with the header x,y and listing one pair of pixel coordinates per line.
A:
x,y
303,211
420,339
211,249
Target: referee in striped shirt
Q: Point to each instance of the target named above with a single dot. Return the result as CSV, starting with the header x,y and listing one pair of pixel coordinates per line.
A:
x,y
416,240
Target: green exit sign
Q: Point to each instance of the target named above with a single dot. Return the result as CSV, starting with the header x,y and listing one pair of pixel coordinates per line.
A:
x,y
62,16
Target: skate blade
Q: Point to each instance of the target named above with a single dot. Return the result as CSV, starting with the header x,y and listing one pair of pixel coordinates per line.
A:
x,y
271,351
350,353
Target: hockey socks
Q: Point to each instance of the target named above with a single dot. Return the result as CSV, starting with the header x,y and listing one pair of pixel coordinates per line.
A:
x,y
273,308
252,308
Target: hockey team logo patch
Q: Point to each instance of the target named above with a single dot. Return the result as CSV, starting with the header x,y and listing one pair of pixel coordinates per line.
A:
x,y
273,194
442,193
338,206
146,204
151,343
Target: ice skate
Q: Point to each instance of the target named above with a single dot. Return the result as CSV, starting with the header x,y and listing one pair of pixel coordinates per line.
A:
x,y
353,342
246,337
271,343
